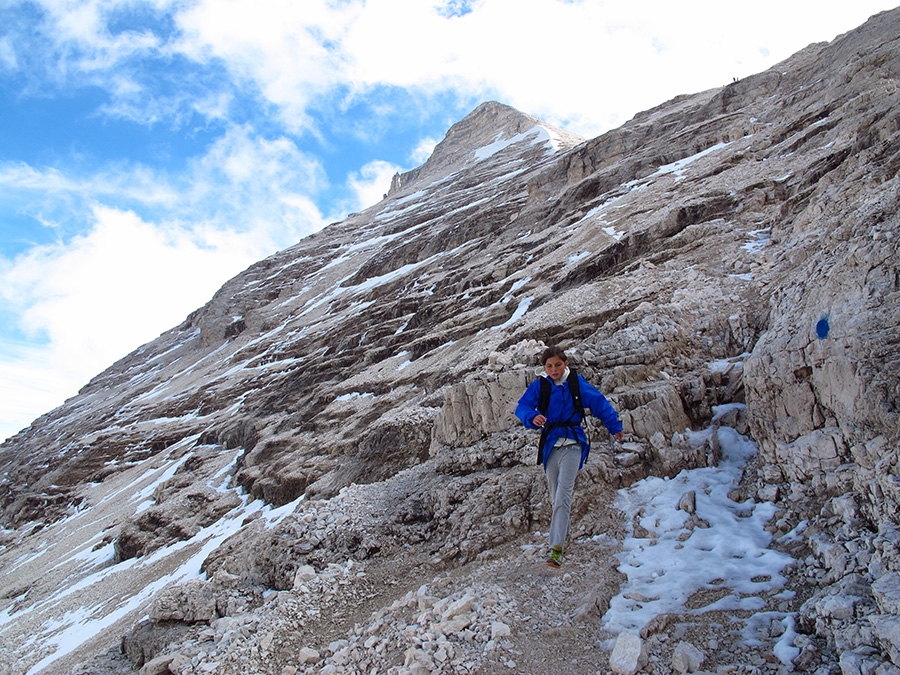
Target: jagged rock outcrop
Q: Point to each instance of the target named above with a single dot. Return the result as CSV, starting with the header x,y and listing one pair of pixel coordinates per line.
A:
x,y
726,258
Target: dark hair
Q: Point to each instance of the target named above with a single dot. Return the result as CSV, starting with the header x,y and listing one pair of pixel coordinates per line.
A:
x,y
552,351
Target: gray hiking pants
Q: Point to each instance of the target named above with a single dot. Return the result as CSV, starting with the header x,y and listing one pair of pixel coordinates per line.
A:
x,y
562,468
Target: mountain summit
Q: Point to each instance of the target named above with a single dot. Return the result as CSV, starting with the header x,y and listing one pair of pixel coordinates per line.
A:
x,y
319,470
490,128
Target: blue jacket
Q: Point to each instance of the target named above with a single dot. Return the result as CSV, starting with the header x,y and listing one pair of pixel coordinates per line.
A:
x,y
562,409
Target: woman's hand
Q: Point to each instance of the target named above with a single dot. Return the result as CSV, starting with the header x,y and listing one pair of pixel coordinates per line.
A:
x,y
620,435
539,420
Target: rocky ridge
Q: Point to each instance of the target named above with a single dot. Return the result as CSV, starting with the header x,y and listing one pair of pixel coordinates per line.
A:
x,y
319,470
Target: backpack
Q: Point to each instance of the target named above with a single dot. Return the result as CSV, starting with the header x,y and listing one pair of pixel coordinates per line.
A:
x,y
544,404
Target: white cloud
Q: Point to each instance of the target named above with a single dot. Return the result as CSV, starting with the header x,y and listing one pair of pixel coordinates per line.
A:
x,y
255,181
243,182
80,38
590,64
290,50
587,65
372,182
423,151
7,54
29,388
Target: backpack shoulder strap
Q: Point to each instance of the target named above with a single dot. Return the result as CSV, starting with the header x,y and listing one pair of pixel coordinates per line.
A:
x,y
544,396
543,406
575,392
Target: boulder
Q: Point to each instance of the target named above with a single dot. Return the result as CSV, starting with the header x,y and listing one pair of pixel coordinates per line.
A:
x,y
628,655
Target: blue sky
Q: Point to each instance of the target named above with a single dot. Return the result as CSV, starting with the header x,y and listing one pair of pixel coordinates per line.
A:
x,y
152,149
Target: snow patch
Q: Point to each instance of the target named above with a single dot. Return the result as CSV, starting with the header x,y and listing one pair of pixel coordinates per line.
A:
x,y
759,240
354,395
542,136
614,233
575,258
730,559
524,304
677,168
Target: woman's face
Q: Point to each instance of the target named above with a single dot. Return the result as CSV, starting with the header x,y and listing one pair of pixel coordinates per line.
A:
x,y
555,367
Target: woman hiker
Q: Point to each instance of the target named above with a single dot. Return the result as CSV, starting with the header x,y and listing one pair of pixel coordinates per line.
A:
x,y
564,446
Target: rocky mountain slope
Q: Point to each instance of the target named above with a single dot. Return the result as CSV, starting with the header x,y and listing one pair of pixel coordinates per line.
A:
x,y
319,470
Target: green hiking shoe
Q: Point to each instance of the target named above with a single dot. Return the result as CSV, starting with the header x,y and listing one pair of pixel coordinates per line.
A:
x,y
555,557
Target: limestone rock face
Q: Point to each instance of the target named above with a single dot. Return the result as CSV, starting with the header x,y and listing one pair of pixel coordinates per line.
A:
x,y
726,258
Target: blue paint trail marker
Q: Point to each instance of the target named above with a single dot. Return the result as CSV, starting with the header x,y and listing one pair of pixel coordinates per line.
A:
x,y
822,328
